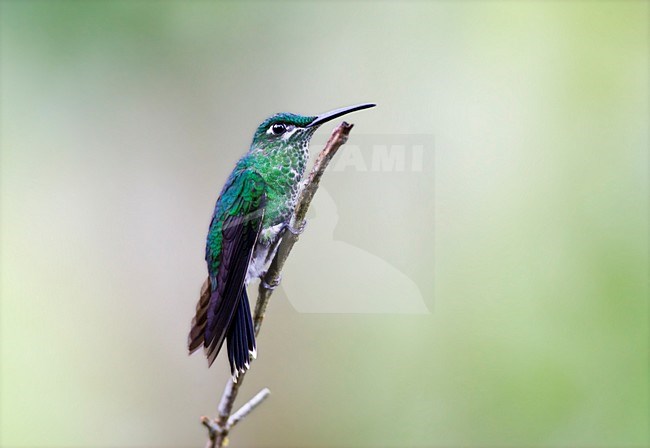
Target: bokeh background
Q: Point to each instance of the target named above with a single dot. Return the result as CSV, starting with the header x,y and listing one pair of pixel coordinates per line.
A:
x,y
526,234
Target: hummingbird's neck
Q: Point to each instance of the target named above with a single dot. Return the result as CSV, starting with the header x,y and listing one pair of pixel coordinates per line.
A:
x,y
282,169
281,166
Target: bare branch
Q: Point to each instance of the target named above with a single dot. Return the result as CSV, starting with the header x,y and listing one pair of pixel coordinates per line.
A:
x,y
219,428
248,407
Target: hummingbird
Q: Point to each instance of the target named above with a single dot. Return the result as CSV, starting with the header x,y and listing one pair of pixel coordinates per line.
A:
x,y
252,212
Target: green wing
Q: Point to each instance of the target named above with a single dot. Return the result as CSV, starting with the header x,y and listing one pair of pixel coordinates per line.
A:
x,y
234,230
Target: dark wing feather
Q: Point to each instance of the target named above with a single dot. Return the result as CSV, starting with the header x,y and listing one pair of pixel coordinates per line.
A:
x,y
239,233
239,241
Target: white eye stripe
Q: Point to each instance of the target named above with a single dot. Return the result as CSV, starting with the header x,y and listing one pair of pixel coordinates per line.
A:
x,y
292,130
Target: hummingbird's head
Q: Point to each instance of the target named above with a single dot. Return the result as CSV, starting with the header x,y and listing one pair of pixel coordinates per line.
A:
x,y
282,130
289,131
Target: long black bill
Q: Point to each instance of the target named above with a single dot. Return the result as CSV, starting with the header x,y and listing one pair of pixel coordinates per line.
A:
x,y
331,115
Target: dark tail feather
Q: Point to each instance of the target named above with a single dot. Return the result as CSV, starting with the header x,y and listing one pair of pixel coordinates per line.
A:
x,y
241,337
197,333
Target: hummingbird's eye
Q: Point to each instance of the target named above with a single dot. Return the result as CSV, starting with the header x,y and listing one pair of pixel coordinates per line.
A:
x,y
278,129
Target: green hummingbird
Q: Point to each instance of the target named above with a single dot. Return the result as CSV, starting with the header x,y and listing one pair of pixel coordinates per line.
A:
x,y
254,208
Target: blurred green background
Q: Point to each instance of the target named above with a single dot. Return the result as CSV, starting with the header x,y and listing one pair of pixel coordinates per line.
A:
x,y
528,238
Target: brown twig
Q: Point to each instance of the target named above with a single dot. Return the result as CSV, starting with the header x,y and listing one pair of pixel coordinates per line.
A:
x,y
219,428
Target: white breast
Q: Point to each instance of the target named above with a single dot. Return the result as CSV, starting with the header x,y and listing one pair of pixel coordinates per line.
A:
x,y
262,258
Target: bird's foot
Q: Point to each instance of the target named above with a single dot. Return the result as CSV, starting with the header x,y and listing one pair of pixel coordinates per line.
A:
x,y
274,283
298,230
